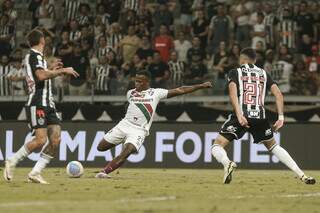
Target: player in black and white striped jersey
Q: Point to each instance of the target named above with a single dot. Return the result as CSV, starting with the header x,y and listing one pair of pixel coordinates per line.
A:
x,y
71,8
40,109
248,87
177,69
5,84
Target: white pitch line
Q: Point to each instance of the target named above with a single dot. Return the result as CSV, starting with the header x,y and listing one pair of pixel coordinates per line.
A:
x,y
316,194
124,200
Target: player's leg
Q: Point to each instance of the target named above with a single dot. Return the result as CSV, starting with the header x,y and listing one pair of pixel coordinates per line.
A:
x,y
286,159
105,145
230,130
47,153
117,161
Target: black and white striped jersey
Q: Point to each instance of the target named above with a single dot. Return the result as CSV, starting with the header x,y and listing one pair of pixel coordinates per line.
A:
x,y
40,92
114,39
102,51
5,84
74,35
102,73
252,86
177,71
72,9
288,29
132,5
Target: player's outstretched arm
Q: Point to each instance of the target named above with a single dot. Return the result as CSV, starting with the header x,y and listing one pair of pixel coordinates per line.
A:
x,y
279,102
48,74
187,89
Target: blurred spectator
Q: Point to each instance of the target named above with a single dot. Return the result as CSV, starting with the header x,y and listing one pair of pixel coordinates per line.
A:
x,y
86,38
64,49
269,61
257,7
128,18
6,35
114,36
258,32
75,32
142,30
145,50
220,60
283,52
133,4
33,8
71,9
162,16
80,63
220,29
197,72
195,53
83,17
303,82
17,76
102,47
200,28
177,70
181,45
129,44
46,15
306,45
102,75
281,72
306,21
287,29
8,9
113,7
5,84
185,13
313,61
159,71
241,15
98,28
163,43
270,23
233,57
104,16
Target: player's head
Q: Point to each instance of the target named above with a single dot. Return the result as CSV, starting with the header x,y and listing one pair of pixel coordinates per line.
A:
x,y
248,56
142,80
36,38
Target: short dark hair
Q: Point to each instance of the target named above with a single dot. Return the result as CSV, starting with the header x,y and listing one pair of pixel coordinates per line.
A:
x,y
249,52
144,73
34,37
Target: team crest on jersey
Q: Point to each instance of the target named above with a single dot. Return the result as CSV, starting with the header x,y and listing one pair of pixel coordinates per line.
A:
x,y
40,121
231,128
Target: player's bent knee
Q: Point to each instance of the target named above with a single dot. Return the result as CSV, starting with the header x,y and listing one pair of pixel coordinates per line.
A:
x,y
222,141
270,144
104,145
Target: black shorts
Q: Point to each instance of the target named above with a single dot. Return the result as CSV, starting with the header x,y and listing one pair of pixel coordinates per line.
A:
x,y
41,117
260,129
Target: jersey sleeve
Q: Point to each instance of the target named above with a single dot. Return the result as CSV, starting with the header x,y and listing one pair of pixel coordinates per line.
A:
x,y
233,76
128,94
270,81
36,62
161,93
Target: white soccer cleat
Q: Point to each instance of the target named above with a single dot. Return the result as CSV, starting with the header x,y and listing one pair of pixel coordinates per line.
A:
x,y
308,180
36,178
228,170
8,170
102,175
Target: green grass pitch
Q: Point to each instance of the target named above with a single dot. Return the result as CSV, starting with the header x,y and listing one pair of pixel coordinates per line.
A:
x,y
161,190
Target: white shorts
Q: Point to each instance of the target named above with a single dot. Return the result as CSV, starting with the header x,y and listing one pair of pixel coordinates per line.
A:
x,y
126,133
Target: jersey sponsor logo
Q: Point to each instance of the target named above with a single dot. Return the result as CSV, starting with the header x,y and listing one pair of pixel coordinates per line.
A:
x,y
246,70
254,114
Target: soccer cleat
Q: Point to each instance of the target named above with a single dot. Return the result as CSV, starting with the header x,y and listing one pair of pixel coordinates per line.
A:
x,y
102,175
308,180
8,171
36,178
228,170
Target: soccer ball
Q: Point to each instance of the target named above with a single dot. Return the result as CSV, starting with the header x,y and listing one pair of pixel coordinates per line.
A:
x,y
74,169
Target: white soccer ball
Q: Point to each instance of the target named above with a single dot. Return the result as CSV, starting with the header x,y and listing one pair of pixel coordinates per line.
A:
x,y
74,169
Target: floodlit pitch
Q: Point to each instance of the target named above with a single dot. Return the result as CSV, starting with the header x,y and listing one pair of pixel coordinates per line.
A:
x,y
161,190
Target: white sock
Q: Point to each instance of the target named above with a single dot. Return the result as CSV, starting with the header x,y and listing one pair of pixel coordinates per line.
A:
x,y
41,163
21,154
285,158
220,154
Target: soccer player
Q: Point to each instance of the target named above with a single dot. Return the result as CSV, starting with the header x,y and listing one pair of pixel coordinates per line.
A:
x,y
248,87
40,109
134,127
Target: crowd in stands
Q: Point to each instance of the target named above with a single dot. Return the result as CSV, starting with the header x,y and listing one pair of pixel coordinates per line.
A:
x,y
177,41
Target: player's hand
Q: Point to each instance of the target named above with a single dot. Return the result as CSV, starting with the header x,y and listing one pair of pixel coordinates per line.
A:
x,y
57,64
207,84
277,125
243,121
70,71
